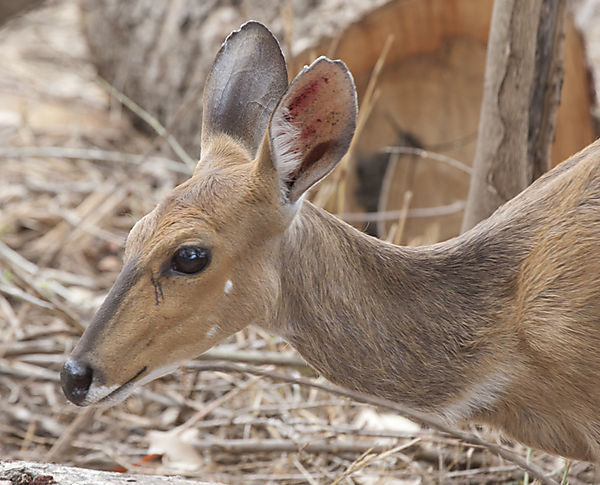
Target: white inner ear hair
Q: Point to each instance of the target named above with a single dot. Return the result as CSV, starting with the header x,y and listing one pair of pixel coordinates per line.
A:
x,y
285,149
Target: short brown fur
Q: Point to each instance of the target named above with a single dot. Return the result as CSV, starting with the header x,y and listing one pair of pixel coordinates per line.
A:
x,y
500,325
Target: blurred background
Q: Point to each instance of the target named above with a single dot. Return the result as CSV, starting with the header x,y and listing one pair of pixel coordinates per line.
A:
x,y
100,112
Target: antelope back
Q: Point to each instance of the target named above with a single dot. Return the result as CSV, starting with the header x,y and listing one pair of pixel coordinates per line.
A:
x,y
205,263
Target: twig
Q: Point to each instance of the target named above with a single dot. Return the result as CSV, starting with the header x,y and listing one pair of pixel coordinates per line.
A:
x,y
261,445
366,461
481,471
150,120
48,302
187,105
61,276
438,157
14,324
87,224
27,347
440,210
26,297
82,225
51,346
91,154
28,371
209,408
10,256
416,416
309,478
399,232
291,406
255,357
565,473
54,240
370,91
24,271
528,459
339,178
67,435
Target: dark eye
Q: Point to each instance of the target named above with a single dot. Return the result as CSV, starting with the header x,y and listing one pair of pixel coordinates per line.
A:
x,y
190,259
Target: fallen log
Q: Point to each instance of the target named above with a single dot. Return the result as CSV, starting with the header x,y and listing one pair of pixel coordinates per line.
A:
x,y
29,473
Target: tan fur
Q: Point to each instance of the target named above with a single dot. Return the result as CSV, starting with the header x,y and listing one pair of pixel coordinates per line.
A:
x,y
518,298
511,308
500,325
210,209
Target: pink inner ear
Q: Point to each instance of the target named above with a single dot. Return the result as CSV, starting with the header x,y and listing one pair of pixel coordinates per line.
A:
x,y
313,120
310,159
297,112
302,99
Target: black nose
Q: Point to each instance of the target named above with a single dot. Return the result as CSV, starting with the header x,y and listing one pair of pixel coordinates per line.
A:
x,y
75,379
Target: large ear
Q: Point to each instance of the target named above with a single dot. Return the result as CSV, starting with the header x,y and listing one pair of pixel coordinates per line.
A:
x,y
312,126
243,86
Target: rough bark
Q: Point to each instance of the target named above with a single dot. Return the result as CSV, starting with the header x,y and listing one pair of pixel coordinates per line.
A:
x,y
29,473
521,94
546,88
158,52
11,8
430,88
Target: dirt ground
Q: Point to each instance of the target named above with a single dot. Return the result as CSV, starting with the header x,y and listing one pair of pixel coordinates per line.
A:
x,y
74,177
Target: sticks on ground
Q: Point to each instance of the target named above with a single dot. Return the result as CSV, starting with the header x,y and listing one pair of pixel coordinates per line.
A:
x,y
419,417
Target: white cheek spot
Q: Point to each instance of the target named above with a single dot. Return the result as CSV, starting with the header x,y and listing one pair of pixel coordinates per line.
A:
x,y
228,287
212,331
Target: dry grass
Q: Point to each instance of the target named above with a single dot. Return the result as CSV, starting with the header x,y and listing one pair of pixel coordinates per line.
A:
x,y
64,214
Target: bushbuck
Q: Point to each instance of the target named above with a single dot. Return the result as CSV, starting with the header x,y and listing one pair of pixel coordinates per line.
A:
x,y
500,325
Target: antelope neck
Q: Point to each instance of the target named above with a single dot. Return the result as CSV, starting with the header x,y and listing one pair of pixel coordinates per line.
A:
x,y
408,324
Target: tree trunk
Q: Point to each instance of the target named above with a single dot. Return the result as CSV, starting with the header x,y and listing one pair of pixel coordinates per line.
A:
x,y
158,52
521,93
10,8
546,87
430,88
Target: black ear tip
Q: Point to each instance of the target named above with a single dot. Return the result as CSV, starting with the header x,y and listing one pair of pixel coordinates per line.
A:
x,y
244,84
254,24
250,27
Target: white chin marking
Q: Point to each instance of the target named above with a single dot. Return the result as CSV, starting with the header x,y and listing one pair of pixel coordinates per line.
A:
x,y
212,331
117,393
228,287
97,393
156,373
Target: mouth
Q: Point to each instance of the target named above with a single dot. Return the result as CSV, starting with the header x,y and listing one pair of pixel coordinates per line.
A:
x,y
121,392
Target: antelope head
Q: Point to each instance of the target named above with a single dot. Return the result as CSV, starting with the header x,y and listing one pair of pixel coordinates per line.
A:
x,y
203,264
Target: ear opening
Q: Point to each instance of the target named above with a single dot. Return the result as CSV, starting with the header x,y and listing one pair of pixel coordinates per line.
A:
x,y
312,126
247,79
